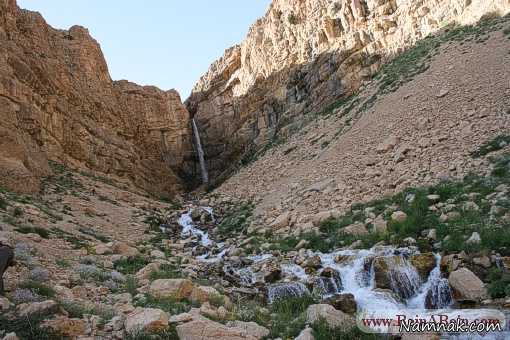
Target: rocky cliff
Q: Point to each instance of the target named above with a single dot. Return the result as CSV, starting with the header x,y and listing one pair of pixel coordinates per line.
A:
x,y
303,55
58,102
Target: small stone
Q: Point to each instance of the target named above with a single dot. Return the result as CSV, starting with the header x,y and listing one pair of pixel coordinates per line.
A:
x,y
399,216
146,319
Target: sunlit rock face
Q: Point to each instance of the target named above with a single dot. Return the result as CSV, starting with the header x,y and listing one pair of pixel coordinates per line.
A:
x,y
58,102
300,57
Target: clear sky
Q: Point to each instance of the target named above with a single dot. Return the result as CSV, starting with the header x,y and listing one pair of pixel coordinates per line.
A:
x,y
167,43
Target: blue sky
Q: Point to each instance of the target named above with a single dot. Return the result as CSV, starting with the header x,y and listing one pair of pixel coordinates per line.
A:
x,y
167,43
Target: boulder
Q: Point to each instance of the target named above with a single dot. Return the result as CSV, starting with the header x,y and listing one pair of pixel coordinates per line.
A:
x,y
466,285
334,318
380,225
399,216
388,144
146,319
271,271
145,272
313,262
67,327
204,329
356,229
102,249
122,248
424,264
203,293
5,304
281,221
251,328
47,307
343,302
177,288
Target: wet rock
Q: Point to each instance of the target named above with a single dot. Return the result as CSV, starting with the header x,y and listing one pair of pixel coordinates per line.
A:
x,y
467,286
313,262
424,264
286,290
397,274
343,302
450,263
334,318
177,288
146,319
271,271
67,327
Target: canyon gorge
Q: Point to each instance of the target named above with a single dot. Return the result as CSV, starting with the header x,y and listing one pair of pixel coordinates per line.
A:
x,y
346,156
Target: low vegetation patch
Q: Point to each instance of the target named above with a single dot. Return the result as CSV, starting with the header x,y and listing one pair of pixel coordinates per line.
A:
x,y
236,220
166,271
463,208
131,265
28,327
493,145
28,229
171,305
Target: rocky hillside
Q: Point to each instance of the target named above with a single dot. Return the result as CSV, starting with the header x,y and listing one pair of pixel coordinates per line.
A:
x,y
417,123
59,103
301,56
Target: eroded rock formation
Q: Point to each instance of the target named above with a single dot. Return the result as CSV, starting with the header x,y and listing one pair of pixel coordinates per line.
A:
x,y
58,102
303,55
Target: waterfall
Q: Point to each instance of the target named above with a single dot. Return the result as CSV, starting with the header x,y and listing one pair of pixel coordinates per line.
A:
x,y
200,151
188,229
435,293
286,290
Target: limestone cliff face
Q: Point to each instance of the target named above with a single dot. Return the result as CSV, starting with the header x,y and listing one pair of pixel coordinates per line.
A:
x,y
58,102
304,54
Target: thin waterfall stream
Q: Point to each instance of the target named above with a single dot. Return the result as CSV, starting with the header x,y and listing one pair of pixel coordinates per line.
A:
x,y
200,151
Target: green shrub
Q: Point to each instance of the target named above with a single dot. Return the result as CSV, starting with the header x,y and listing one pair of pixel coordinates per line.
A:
x,y
288,316
170,305
236,220
3,203
27,229
165,271
493,145
28,327
499,286
38,288
169,333
131,265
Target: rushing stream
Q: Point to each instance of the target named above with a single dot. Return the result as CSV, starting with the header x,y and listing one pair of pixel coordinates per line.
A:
x,y
355,275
